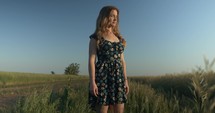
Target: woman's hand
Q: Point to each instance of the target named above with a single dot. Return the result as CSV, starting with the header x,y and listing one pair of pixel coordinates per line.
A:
x,y
94,89
126,87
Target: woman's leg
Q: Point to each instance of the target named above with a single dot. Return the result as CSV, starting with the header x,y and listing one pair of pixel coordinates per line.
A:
x,y
118,108
101,109
111,109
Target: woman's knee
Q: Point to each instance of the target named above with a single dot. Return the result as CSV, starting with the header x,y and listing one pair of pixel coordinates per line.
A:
x,y
101,109
118,108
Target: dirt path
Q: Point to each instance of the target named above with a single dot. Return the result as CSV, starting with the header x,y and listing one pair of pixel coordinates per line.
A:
x,y
10,95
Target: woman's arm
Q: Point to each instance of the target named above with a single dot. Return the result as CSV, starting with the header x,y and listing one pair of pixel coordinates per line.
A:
x,y
124,73
91,66
124,66
92,59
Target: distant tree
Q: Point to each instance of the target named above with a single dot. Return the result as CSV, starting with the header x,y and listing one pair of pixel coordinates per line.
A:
x,y
52,72
72,69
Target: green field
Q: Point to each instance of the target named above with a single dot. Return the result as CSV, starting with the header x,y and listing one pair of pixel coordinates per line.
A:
x,y
176,93
14,78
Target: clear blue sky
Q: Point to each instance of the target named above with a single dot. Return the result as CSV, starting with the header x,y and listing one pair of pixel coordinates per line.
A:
x,y
163,36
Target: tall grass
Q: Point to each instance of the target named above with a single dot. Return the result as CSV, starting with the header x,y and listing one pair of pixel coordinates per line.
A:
x,y
203,93
142,99
65,100
182,93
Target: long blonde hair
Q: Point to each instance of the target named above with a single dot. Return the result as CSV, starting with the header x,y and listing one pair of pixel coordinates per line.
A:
x,y
103,22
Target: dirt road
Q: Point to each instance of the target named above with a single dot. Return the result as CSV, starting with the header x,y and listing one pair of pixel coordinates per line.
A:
x,y
10,95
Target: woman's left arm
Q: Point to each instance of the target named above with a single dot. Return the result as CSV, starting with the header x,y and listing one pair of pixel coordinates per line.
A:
x,y
124,73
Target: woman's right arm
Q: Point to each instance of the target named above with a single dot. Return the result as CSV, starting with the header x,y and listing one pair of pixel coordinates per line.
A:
x,y
91,66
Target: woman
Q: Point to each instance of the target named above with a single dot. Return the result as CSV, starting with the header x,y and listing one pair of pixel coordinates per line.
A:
x,y
108,79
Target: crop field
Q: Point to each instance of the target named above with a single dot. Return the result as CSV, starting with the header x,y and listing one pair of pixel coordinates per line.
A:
x,y
40,93
14,87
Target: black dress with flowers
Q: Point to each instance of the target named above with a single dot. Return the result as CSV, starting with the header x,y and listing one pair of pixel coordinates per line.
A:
x,y
109,74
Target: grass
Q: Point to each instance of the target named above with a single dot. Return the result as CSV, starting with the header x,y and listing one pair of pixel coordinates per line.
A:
x,y
13,78
70,99
143,98
174,93
74,98
14,85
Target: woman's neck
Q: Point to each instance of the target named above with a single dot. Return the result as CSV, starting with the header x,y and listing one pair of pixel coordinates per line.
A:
x,y
109,30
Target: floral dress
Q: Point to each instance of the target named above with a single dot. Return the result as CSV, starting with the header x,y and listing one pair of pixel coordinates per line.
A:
x,y
109,74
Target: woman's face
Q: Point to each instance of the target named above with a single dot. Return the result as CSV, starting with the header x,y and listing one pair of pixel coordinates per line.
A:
x,y
113,18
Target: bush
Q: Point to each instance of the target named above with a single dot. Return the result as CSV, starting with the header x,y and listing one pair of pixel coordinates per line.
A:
x,y
72,69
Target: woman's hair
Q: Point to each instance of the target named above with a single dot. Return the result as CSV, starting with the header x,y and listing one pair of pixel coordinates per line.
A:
x,y
102,23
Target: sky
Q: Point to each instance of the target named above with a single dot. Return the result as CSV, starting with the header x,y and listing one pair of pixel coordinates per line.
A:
x,y
163,36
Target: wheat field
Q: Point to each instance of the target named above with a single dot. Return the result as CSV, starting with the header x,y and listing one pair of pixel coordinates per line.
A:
x,y
177,93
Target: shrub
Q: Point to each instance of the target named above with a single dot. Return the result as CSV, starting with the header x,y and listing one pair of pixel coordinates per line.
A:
x,y
72,69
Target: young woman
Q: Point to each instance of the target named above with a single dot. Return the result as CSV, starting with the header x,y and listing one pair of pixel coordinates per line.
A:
x,y
107,67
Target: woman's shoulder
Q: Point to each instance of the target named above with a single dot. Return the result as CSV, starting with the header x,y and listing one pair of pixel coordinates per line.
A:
x,y
122,39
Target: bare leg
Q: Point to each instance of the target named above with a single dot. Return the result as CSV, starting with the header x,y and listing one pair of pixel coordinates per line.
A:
x,y
118,108
101,109
111,109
